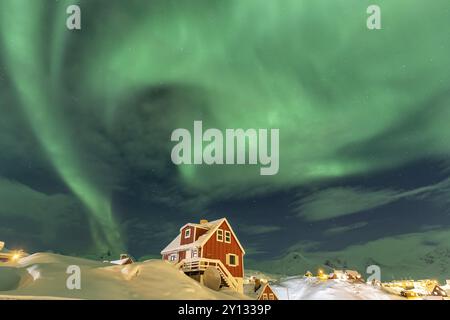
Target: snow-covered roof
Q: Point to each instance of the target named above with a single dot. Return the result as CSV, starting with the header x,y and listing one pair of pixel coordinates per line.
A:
x,y
280,292
211,226
197,225
353,273
175,245
122,261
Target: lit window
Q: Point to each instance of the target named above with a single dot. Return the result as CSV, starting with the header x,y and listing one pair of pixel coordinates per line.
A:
x,y
187,233
172,257
220,235
232,260
227,236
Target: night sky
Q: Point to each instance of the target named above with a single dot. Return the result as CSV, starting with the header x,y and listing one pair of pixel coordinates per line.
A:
x,y
364,119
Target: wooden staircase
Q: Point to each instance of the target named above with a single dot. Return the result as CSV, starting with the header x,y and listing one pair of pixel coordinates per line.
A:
x,y
200,265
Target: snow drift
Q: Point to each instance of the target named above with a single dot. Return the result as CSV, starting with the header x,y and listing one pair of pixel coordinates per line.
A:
x,y
43,276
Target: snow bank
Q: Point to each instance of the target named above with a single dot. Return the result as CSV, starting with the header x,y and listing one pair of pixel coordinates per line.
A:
x,y
300,288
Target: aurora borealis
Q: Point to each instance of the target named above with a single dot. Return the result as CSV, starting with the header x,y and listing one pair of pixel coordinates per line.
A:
x,y
87,116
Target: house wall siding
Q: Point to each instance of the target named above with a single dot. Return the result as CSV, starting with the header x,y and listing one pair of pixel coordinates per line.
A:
x,y
214,249
268,290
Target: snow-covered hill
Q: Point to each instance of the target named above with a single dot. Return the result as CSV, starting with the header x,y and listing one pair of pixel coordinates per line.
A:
x,y
44,276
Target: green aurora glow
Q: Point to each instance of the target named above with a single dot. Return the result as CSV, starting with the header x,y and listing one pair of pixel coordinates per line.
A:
x,y
347,100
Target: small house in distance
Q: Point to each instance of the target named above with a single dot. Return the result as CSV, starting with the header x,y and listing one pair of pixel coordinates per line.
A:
x,y
208,245
263,290
354,275
351,275
123,260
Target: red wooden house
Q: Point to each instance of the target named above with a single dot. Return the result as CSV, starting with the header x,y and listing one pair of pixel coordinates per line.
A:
x,y
199,246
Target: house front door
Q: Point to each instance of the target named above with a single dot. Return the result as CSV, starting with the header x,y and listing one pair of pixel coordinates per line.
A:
x,y
181,255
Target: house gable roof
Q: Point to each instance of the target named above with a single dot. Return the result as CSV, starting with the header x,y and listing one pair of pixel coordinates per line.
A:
x,y
257,294
213,230
195,225
279,292
212,226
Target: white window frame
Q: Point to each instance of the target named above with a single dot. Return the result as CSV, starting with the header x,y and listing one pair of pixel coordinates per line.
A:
x,y
236,260
271,296
173,257
264,296
227,234
194,253
219,235
187,233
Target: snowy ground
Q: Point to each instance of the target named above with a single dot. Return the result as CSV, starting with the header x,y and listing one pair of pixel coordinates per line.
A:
x,y
300,288
43,276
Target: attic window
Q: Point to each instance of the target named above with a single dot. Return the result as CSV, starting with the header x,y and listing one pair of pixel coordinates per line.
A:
x,y
219,235
187,233
227,236
232,260
264,297
271,296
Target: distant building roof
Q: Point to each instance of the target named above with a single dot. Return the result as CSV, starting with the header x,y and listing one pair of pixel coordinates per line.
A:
x,y
122,262
280,292
353,273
